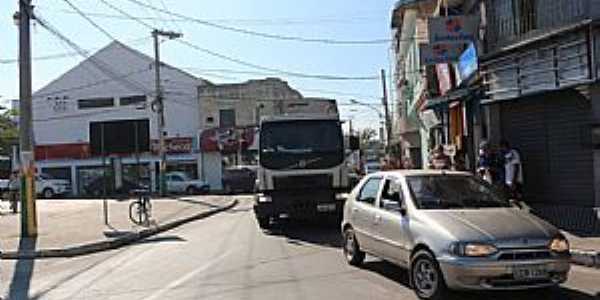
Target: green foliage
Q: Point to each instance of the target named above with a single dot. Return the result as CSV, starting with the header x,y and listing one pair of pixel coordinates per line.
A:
x,y
9,133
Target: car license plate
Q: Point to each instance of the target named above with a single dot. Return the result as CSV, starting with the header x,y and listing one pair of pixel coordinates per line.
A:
x,y
325,207
530,272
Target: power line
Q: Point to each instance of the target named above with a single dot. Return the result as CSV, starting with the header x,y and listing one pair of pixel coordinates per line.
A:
x,y
250,22
263,34
99,64
279,71
112,38
245,63
68,54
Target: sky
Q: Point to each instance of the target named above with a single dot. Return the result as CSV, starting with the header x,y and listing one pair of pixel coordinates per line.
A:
x,y
310,19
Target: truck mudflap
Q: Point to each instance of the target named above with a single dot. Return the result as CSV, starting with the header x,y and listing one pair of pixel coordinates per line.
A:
x,y
299,205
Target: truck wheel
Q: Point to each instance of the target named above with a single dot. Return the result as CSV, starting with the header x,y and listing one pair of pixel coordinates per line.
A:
x,y
47,193
264,222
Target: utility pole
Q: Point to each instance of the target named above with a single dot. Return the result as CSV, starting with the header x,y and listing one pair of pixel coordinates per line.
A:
x,y
28,207
384,102
350,126
159,106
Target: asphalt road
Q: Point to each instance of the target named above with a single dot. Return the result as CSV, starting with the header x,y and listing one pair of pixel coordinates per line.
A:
x,y
228,257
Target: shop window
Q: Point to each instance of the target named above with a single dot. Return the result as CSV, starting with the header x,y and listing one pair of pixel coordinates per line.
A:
x,y
58,173
123,137
131,100
95,103
226,118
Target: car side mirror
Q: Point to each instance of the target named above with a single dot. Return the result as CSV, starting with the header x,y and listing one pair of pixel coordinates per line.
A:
x,y
393,205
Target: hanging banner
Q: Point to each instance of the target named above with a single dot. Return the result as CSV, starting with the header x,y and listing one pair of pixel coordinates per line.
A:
x,y
443,76
440,53
453,29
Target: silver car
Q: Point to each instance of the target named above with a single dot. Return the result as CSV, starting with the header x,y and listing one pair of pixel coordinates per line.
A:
x,y
451,230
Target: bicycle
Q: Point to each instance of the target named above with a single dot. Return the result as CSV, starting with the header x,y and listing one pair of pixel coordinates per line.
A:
x,y
140,211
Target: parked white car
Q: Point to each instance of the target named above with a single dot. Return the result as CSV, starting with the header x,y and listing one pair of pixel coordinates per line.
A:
x,y
46,186
179,182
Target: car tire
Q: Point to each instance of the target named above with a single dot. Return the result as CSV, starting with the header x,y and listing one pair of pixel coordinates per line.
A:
x,y
354,256
426,277
48,193
191,190
264,222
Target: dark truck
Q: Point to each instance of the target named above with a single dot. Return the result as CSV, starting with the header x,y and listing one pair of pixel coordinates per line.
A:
x,y
302,171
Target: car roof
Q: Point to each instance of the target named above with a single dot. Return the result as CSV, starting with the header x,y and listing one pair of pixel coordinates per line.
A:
x,y
405,173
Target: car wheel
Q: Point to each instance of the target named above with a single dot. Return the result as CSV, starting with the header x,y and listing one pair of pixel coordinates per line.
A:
x,y
427,279
47,193
264,222
191,190
352,252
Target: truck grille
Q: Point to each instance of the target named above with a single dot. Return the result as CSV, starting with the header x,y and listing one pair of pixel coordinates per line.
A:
x,y
303,182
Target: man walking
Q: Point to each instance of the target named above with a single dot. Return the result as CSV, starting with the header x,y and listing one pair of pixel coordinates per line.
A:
x,y
513,170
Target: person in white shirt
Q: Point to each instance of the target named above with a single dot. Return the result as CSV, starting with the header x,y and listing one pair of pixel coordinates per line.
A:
x,y
513,170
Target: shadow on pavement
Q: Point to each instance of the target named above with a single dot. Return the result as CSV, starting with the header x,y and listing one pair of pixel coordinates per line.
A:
x,y
299,233
400,275
160,239
196,201
21,280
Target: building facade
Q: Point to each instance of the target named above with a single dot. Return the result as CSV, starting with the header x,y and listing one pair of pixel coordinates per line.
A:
x,y
531,77
97,120
231,114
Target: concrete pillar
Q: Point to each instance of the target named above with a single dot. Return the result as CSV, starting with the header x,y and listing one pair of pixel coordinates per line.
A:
x,y
494,124
74,183
595,101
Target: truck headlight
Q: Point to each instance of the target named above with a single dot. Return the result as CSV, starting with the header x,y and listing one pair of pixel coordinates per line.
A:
x,y
472,249
559,244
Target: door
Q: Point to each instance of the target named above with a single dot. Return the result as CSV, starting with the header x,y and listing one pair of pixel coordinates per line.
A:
x,y
390,222
363,214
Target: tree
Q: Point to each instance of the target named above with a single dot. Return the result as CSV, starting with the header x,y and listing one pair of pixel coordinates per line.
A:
x,y
9,133
366,135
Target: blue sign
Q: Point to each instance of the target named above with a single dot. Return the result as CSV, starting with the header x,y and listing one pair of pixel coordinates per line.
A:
x,y
467,63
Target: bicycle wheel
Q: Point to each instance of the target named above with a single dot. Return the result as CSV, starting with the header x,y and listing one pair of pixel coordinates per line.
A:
x,y
137,213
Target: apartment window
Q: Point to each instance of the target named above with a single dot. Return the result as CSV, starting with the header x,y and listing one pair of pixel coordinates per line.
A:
x,y
95,103
226,118
130,100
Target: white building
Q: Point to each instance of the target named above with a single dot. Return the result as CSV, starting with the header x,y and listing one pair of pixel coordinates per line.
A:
x,y
79,116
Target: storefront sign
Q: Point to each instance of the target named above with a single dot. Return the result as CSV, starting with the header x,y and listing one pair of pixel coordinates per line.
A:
x,y
452,29
467,63
227,140
439,53
429,119
443,76
175,145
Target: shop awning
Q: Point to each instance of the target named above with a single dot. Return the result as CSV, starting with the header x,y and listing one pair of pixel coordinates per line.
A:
x,y
449,97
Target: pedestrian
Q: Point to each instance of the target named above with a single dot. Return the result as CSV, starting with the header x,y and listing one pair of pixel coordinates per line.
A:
x,y
485,162
513,170
438,160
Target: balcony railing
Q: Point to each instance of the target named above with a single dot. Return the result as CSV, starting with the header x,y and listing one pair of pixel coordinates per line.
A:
x,y
512,21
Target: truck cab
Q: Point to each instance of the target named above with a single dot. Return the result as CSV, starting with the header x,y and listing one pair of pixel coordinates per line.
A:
x,y
301,168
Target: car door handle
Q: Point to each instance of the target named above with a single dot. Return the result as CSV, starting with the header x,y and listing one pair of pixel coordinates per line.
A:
x,y
377,219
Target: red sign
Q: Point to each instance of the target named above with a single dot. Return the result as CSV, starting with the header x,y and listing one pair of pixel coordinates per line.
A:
x,y
175,145
62,151
226,140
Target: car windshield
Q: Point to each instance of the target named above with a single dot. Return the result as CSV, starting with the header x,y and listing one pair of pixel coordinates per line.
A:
x,y
453,192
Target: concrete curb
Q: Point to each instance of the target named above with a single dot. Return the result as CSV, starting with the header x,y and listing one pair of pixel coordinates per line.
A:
x,y
585,258
94,247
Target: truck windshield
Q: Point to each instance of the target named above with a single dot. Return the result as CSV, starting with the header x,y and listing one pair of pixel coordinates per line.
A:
x,y
305,144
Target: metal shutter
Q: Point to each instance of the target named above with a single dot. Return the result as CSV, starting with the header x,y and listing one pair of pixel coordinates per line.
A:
x,y
551,132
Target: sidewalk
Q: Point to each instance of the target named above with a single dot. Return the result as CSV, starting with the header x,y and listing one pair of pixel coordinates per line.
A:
x,y
64,224
584,250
